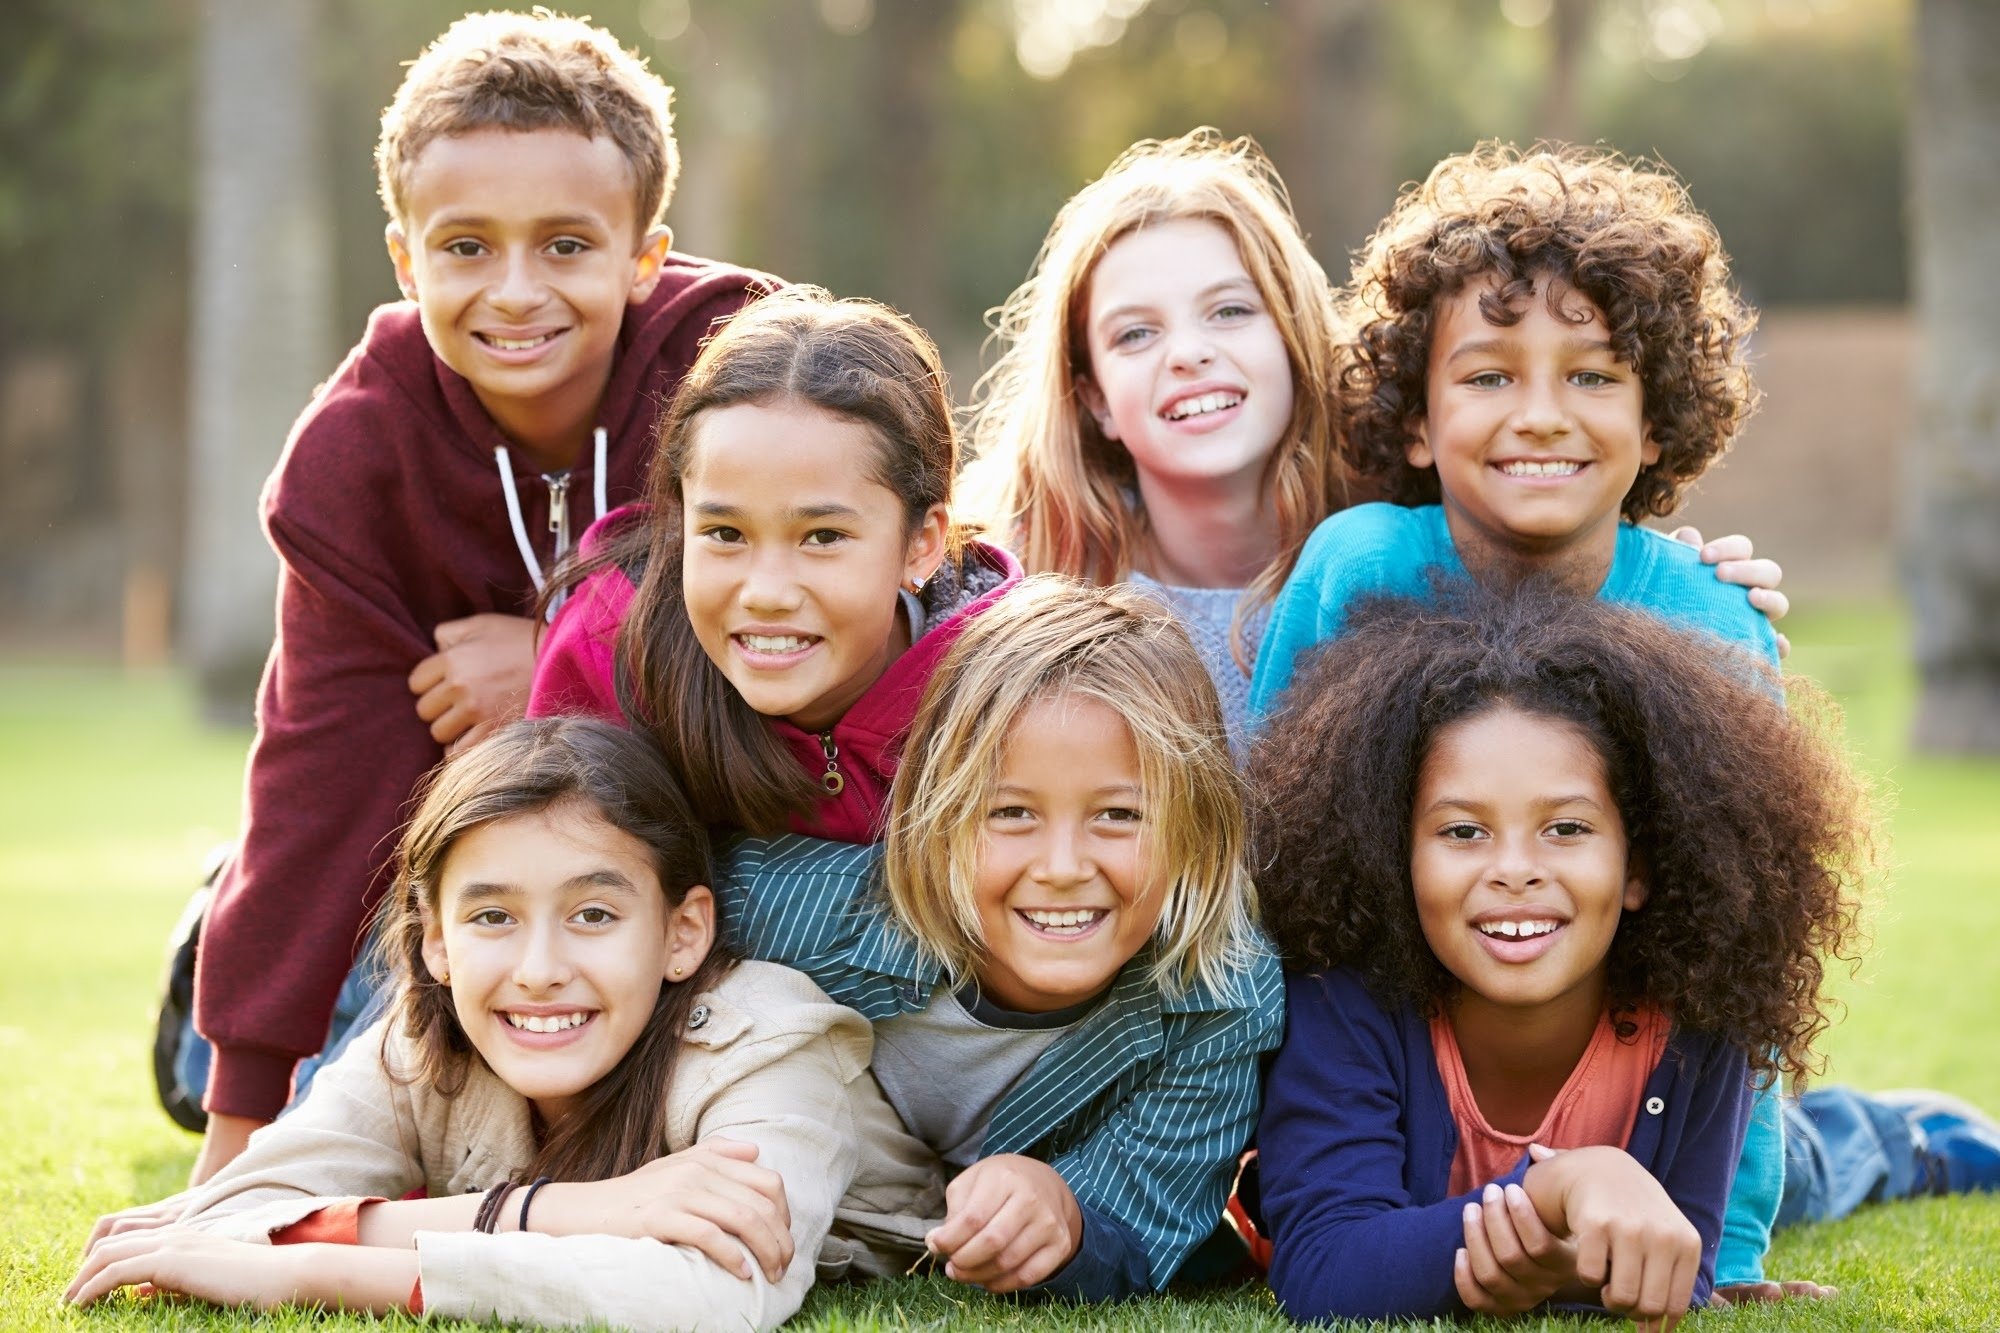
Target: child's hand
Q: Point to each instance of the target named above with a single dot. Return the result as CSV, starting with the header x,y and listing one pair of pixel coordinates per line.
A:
x,y
1768,1293
711,1197
189,1263
1632,1243
142,1217
1733,558
1511,1262
477,679
1010,1222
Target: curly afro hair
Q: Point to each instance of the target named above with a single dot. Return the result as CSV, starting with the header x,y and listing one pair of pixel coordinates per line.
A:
x,y
1753,831
1620,233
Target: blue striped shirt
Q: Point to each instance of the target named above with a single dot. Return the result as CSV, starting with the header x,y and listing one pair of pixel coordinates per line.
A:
x,y
1142,1107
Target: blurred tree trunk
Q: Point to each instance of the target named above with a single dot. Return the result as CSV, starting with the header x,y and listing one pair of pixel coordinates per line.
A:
x,y
1952,536
909,53
1335,154
262,315
1557,117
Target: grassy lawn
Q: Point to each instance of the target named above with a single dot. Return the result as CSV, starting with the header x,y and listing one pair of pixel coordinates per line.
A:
x,y
112,794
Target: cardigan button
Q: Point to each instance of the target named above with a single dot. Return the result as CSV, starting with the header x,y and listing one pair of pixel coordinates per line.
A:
x,y
698,1018
1655,1105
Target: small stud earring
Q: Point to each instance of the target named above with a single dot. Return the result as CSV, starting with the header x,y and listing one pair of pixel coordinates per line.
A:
x,y
444,978
917,586
676,973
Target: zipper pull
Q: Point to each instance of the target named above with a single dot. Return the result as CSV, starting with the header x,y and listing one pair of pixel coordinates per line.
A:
x,y
558,484
831,779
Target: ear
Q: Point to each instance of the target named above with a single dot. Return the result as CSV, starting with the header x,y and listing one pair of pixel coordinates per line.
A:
x,y
436,961
690,934
1649,449
927,546
652,257
1417,451
1635,887
1094,403
399,257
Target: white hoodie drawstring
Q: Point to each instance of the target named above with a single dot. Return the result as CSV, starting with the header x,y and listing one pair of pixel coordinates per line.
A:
x,y
558,494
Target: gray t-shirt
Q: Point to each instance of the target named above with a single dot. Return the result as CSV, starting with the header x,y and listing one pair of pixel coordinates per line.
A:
x,y
986,1051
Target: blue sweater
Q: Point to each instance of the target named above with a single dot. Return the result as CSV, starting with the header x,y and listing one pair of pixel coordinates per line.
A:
x,y
1356,1141
1383,550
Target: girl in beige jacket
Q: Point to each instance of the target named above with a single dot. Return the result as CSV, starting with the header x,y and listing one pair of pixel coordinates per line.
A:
x,y
609,1122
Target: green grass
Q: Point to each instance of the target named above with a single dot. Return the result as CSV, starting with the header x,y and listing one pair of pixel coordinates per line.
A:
x,y
110,795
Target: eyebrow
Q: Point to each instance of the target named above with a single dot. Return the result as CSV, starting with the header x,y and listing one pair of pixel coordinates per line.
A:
x,y
1115,789
476,220
1490,346
1213,289
605,881
827,509
1466,803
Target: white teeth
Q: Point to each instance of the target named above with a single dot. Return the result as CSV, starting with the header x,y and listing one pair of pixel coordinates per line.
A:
x,y
548,1022
517,344
1070,922
774,643
1518,930
1208,402
1524,468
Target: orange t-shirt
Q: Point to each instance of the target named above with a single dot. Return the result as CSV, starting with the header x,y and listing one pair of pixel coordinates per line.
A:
x,y
1598,1105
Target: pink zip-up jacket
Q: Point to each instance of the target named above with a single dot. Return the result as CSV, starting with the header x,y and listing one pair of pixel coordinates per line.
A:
x,y
576,672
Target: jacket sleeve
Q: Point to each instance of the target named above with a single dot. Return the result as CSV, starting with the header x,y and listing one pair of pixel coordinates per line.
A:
x,y
339,748
1348,1240
1159,1166
352,1136
794,1108
576,661
1725,1105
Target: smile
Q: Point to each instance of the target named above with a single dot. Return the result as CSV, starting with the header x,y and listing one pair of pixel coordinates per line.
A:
x,y
776,643
1527,468
1066,924
500,344
1518,930
1202,405
549,1022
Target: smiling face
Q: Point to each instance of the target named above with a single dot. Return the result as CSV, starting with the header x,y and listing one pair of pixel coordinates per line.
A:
x,y
794,553
1537,430
1065,894
556,937
1188,369
522,250
1519,861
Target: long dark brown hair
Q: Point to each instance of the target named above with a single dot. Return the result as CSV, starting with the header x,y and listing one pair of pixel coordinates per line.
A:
x,y
854,358
620,1122
1751,827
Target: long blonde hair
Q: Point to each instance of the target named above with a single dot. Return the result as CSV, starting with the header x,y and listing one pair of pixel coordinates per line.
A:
x,y
1045,477
1056,638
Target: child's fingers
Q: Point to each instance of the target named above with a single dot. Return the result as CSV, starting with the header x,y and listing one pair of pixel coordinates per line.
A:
x,y
1501,1234
1480,1261
1593,1257
1476,1298
1533,1233
427,675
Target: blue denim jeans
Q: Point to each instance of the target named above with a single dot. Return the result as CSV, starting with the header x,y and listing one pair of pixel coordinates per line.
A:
x,y
1842,1149
361,1000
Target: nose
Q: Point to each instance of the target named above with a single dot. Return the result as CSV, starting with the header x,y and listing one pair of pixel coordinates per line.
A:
x,y
1517,864
518,287
1190,348
543,964
1064,863
771,584
1542,414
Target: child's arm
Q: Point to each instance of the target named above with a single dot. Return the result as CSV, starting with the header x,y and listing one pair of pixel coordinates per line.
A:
x,y
1634,1247
478,677
1151,1178
1757,1188
186,1262
1735,561
1342,1125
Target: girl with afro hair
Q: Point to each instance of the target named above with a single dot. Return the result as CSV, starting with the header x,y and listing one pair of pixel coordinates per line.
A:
x,y
1557,882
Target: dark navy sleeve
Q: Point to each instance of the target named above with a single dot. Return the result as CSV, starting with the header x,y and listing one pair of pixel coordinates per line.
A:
x,y
1697,1176
1110,1265
1336,1139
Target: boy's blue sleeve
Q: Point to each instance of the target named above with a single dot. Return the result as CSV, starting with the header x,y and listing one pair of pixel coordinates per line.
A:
x,y
1755,1194
1160,1165
1367,550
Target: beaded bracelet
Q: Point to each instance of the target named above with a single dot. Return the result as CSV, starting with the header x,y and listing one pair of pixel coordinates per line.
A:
x,y
489,1207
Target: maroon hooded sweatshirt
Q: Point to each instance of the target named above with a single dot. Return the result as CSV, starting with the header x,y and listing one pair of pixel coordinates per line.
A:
x,y
388,515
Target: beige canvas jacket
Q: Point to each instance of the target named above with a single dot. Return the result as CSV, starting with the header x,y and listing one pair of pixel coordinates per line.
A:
x,y
772,1062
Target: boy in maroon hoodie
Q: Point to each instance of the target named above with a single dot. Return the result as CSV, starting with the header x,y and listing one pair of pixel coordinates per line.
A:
x,y
428,488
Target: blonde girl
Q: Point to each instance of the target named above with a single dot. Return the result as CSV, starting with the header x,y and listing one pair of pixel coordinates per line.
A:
x,y
1068,992
772,612
608,1120
1161,409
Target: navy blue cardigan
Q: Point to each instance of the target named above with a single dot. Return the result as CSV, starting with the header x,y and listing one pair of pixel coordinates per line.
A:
x,y
1356,1142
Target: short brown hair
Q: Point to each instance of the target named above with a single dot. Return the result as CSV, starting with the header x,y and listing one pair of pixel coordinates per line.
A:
x,y
540,71
1622,233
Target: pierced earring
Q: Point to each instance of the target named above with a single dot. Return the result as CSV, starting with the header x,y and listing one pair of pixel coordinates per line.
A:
x,y
676,973
444,978
917,586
